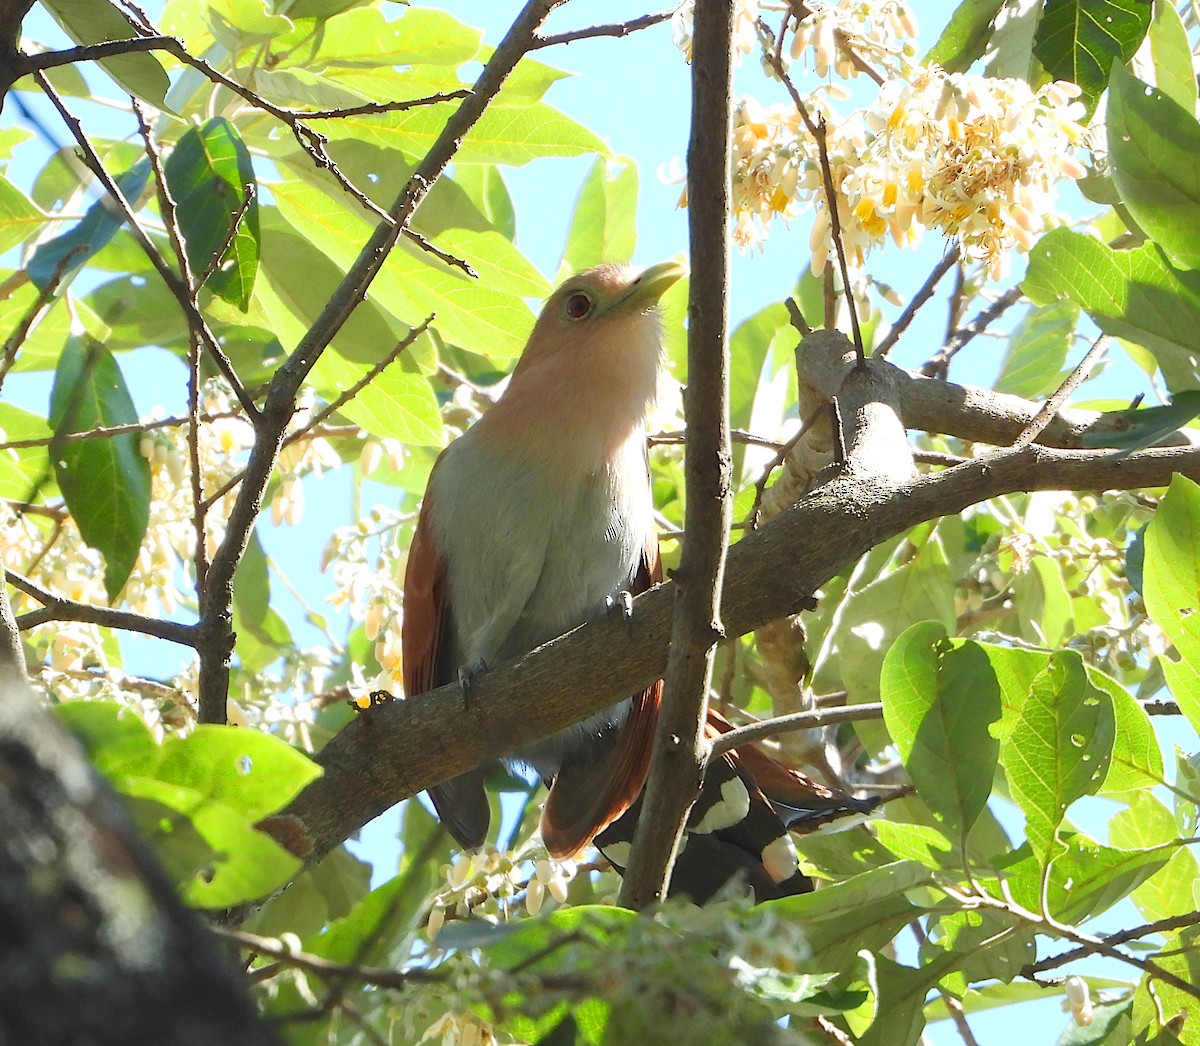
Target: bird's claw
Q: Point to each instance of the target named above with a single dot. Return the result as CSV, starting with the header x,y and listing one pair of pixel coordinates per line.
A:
x,y
622,603
467,675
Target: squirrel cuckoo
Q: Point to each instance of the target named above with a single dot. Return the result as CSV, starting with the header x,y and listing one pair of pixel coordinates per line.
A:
x,y
533,520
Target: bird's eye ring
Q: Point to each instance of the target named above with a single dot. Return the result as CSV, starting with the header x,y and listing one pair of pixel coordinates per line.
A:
x,y
578,306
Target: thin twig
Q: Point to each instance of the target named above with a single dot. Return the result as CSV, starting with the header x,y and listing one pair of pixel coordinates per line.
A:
x,y
57,608
249,192
1092,945
949,260
617,29
939,364
348,394
1063,393
749,439
176,286
934,457
170,218
818,129
781,455
107,432
784,724
1134,933
797,317
459,263
374,976
12,344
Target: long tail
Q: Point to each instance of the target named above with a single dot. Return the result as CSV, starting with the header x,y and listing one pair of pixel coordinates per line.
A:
x,y
740,825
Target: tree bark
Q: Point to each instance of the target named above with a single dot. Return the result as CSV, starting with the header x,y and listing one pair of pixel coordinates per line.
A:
x,y
95,947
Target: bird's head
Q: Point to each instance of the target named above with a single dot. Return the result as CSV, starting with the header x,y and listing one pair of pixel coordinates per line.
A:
x,y
608,308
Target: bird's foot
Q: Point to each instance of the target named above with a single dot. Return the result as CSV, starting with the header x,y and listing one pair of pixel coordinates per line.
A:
x,y
622,603
467,674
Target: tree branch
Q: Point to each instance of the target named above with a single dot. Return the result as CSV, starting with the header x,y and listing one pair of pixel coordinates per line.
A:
x,y
783,724
617,29
680,747
56,608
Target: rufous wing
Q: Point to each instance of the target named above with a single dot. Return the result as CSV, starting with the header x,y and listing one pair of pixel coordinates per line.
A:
x,y
461,802
589,794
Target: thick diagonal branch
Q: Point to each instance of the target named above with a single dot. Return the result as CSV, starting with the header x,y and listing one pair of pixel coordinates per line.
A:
x,y
401,748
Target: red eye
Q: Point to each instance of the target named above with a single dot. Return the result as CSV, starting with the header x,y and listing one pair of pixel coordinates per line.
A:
x,y
577,306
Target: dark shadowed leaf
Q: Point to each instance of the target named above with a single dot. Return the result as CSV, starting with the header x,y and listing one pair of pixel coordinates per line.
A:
x,y
208,172
1081,40
98,225
106,482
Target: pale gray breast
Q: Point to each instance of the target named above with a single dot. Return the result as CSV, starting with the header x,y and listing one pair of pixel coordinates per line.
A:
x,y
532,550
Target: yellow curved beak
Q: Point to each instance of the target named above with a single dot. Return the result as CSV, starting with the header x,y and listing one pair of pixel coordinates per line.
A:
x,y
651,285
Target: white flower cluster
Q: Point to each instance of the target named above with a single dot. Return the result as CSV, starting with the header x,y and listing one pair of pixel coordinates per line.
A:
x,y
877,31
974,157
368,573
488,883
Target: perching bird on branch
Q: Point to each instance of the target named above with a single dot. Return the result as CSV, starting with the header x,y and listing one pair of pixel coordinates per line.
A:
x,y
534,520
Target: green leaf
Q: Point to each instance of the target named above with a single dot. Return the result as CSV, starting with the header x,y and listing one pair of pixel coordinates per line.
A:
x,y
1081,40
899,992
396,404
69,250
262,635
1134,294
1037,350
966,35
1152,147
916,842
1043,603
1086,878
106,482
20,217
604,227
485,186
1015,670
939,701
239,24
1059,748
117,741
1136,758
1147,427
1010,46
209,174
1172,55
1156,1003
365,37
875,615
863,912
97,22
512,136
491,322
27,468
1172,589
256,774
1147,823
986,946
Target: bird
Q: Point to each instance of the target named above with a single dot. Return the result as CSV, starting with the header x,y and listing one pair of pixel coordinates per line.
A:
x,y
534,520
